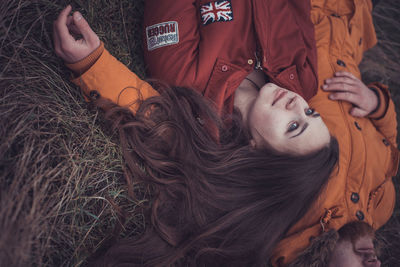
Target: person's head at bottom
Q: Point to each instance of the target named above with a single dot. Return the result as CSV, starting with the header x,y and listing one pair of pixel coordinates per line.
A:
x,y
353,245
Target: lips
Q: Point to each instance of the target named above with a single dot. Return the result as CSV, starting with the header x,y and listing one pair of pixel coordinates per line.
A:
x,y
279,95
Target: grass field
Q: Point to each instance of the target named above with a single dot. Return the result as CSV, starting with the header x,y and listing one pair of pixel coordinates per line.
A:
x,y
62,190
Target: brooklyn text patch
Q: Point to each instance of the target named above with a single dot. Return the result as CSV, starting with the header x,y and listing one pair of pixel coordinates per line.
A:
x,y
216,11
162,34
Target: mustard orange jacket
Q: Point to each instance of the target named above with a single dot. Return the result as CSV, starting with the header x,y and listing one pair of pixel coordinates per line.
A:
x,y
362,187
211,46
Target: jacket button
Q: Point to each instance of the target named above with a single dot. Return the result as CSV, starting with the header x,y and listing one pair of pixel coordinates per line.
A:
x,y
341,63
94,94
355,197
360,42
250,61
291,76
386,142
360,215
224,68
335,15
357,126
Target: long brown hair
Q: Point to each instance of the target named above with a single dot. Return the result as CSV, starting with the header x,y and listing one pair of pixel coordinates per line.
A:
x,y
216,200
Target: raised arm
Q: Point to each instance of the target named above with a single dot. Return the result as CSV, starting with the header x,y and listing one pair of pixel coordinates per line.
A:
x,y
371,101
98,73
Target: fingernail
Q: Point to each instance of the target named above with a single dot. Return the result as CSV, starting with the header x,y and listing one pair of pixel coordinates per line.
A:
x,y
324,86
78,16
327,80
331,97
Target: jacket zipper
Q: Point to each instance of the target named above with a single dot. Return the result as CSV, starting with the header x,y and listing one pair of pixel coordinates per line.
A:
x,y
258,62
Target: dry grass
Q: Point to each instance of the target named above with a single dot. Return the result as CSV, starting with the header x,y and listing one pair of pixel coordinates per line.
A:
x,y
382,63
61,172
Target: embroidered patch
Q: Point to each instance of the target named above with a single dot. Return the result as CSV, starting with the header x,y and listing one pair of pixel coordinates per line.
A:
x,y
216,11
162,34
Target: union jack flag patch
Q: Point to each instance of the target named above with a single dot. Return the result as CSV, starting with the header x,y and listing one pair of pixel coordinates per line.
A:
x,y
216,11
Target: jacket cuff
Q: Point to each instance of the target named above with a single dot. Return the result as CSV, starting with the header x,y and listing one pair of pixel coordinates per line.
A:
x,y
382,93
80,67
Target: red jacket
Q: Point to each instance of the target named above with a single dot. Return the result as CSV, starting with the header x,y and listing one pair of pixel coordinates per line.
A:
x,y
212,46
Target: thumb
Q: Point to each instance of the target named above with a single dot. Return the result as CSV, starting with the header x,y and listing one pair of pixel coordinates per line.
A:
x,y
357,112
83,27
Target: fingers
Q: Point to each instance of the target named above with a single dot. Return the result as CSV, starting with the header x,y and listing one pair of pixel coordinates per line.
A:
x,y
342,88
70,20
66,46
357,112
344,96
345,86
72,27
61,24
340,84
83,27
345,74
56,41
62,17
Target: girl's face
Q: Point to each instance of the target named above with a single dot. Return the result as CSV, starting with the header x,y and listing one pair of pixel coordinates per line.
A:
x,y
282,119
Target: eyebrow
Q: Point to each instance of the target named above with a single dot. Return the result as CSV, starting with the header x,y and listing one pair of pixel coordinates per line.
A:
x,y
302,130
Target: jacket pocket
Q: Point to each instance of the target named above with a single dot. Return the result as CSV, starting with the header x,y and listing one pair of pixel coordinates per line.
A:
x,y
381,203
289,79
224,80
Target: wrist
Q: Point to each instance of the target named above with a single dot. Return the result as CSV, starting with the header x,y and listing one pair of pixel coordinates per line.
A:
x,y
383,99
378,100
80,67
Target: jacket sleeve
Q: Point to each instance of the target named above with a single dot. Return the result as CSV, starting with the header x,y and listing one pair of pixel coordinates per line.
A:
x,y
386,123
110,79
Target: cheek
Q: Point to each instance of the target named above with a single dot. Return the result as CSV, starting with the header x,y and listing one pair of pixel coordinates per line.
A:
x,y
345,256
266,117
268,124
270,128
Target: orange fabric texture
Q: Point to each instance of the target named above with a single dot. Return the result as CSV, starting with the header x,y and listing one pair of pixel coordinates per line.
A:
x,y
362,187
107,77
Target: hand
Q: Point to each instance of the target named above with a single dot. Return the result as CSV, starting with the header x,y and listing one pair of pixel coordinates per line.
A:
x,y
345,86
72,50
